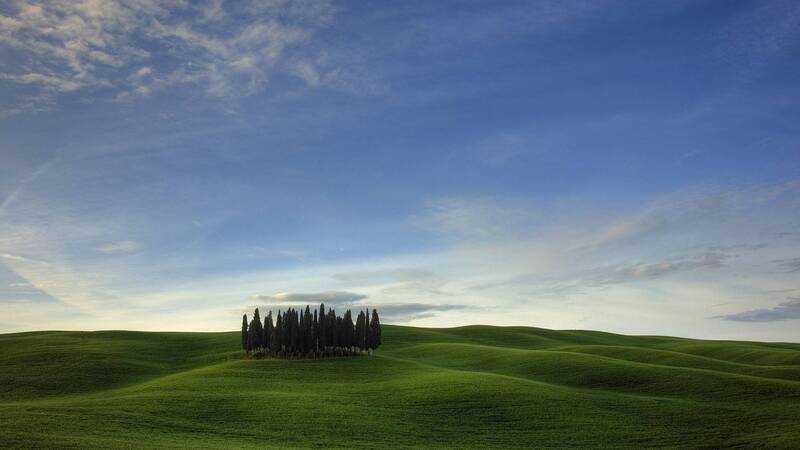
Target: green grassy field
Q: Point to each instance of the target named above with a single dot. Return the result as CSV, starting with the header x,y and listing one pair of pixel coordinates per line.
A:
x,y
475,386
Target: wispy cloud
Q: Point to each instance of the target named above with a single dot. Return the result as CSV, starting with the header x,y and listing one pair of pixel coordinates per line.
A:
x,y
476,218
136,48
409,312
602,276
784,311
119,247
791,265
367,277
20,258
331,297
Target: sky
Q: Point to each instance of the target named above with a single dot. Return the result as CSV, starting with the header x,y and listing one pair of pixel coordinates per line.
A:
x,y
625,166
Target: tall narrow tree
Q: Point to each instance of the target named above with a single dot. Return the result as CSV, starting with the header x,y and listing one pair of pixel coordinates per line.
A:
x,y
244,331
277,342
287,331
294,331
315,334
361,332
334,329
375,328
303,330
367,331
308,332
268,330
258,335
349,330
322,329
252,335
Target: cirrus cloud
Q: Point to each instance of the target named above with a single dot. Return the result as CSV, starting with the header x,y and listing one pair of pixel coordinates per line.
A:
x,y
136,48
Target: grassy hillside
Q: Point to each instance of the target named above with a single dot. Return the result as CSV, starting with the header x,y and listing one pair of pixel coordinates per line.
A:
x,y
473,386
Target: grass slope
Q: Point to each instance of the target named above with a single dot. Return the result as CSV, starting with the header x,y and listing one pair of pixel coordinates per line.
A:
x,y
477,386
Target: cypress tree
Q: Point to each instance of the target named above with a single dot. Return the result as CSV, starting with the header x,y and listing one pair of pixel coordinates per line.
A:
x,y
361,332
303,330
295,331
343,343
277,342
356,331
300,330
258,336
268,330
252,336
287,331
359,323
244,331
322,329
315,334
308,333
349,330
367,331
375,328
334,329
299,348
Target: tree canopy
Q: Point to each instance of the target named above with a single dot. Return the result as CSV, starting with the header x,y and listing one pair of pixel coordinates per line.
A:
x,y
305,333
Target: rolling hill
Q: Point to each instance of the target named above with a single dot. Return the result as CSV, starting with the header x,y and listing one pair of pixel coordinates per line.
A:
x,y
476,386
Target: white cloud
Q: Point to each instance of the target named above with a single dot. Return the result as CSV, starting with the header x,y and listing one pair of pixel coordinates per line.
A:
x,y
19,258
333,297
119,247
49,81
788,310
77,45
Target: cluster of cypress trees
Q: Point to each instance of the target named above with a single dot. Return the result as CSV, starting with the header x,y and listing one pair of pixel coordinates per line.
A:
x,y
311,335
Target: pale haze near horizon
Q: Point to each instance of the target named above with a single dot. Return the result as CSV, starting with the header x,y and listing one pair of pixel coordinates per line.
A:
x,y
621,166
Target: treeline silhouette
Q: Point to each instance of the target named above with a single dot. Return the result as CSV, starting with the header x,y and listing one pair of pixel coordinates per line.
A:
x,y
296,334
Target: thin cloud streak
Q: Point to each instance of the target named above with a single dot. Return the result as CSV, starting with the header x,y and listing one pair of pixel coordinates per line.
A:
x,y
784,311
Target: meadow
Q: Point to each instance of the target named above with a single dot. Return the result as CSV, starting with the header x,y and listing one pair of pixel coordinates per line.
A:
x,y
467,387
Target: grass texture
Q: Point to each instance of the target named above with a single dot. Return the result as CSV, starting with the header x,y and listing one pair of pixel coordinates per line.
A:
x,y
467,387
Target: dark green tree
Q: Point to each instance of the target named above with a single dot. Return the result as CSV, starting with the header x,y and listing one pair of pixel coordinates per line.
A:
x,y
258,336
349,332
367,331
287,330
252,336
244,331
375,328
294,331
303,330
333,323
315,333
308,331
361,332
277,341
305,333
268,330
321,332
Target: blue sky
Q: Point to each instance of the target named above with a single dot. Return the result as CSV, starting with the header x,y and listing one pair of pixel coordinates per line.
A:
x,y
626,166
